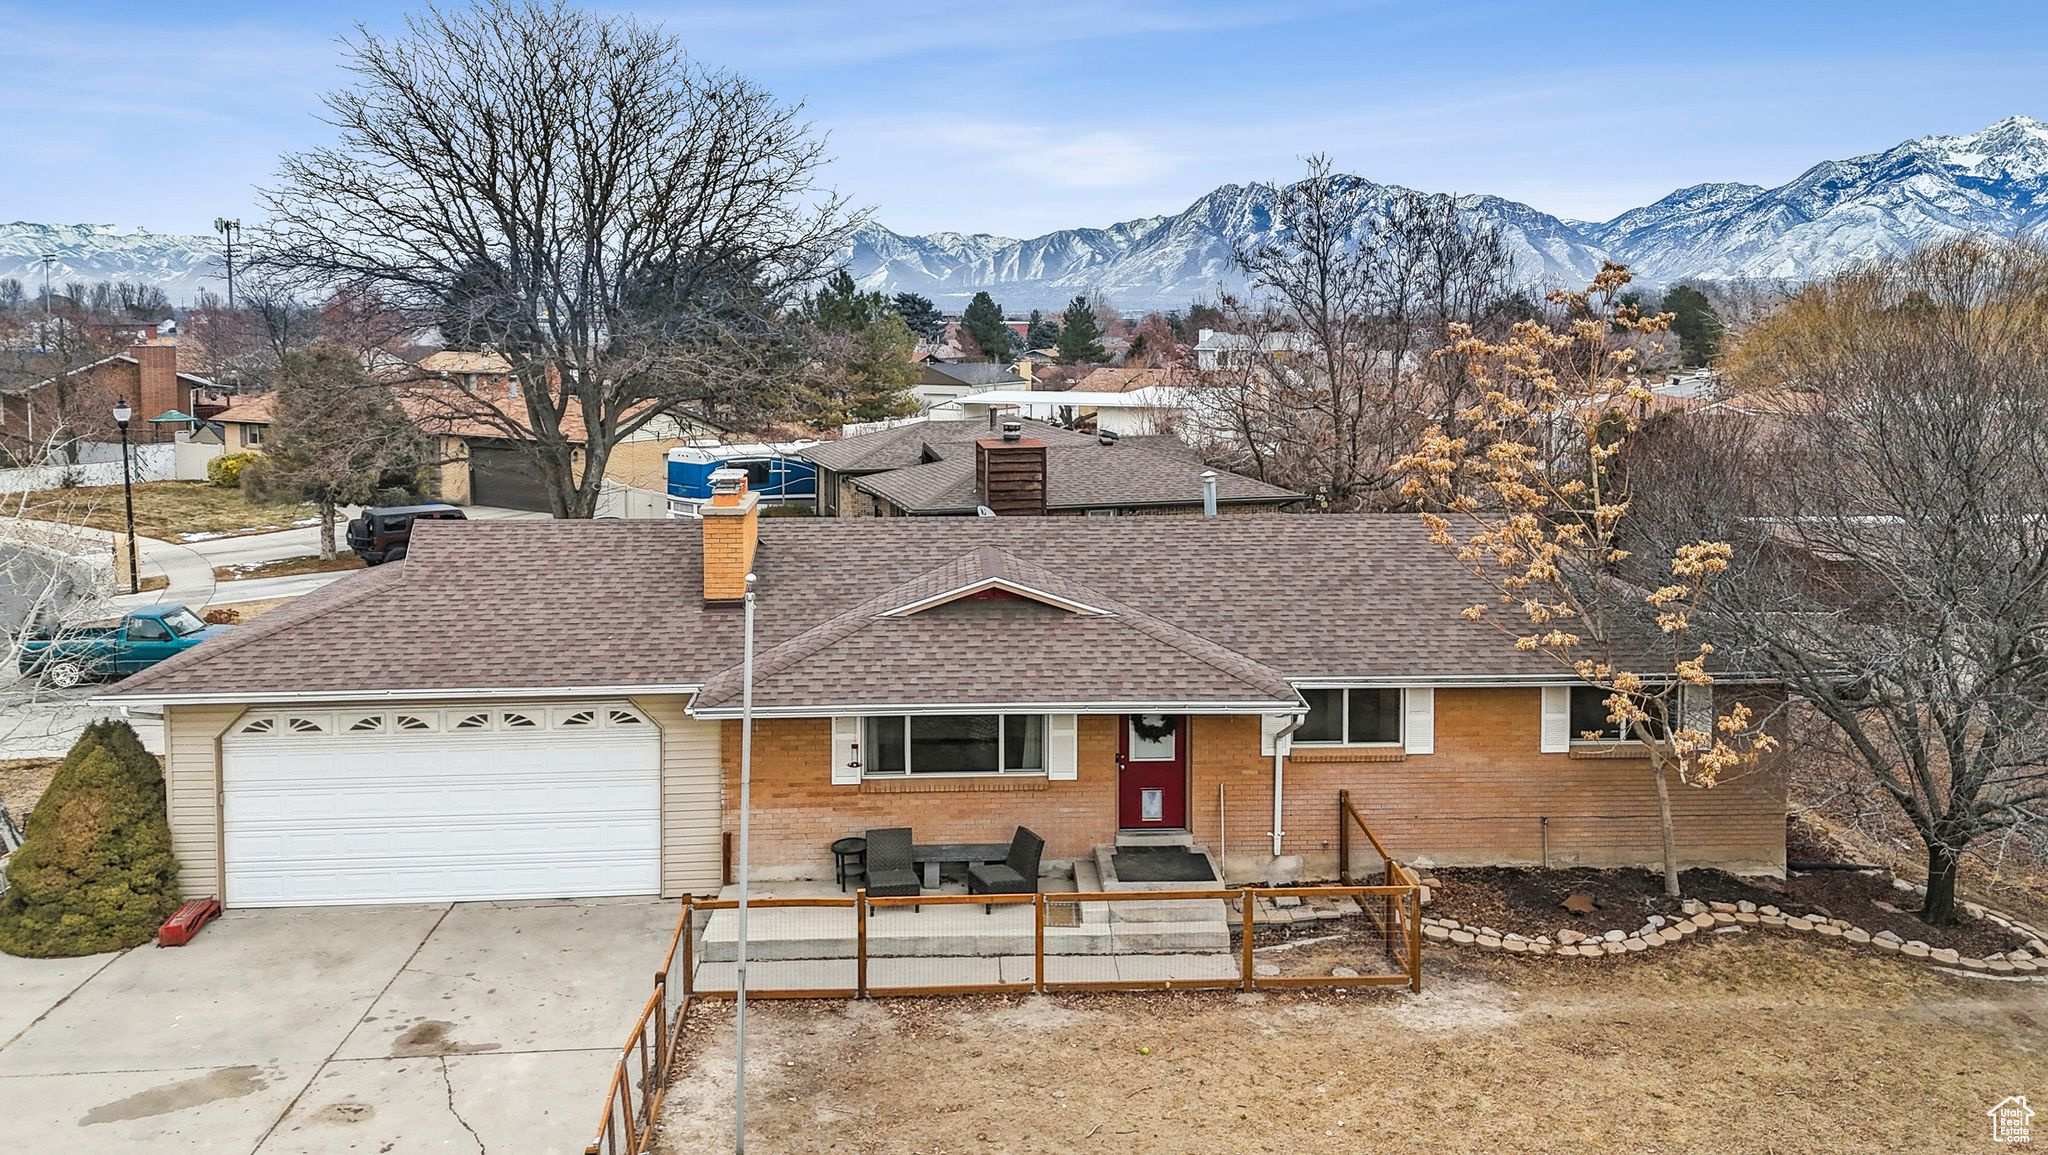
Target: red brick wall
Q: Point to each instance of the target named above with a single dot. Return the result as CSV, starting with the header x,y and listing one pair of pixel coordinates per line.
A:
x,y
1479,799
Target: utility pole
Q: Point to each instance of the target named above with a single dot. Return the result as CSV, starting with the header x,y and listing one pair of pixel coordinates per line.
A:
x,y
229,229
48,259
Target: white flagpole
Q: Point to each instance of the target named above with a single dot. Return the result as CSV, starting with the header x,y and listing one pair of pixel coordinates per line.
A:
x,y
739,1094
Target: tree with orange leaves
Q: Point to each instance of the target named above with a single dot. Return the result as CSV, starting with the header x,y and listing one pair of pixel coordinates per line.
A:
x,y
1526,496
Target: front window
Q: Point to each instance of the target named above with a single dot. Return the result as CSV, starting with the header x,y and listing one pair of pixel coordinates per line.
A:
x,y
1590,722
252,435
1354,716
184,623
955,744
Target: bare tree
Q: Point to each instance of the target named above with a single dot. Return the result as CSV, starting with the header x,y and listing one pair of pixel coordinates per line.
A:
x,y
1888,505
1355,300
627,228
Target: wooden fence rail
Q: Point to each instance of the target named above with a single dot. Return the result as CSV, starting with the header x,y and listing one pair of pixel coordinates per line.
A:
x,y
646,1063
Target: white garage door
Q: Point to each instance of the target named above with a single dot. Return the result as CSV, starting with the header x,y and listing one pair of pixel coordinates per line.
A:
x,y
339,806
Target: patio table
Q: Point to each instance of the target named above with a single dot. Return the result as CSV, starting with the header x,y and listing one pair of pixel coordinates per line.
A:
x,y
931,856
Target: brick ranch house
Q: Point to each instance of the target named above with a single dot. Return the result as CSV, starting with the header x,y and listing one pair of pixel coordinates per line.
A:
x,y
549,709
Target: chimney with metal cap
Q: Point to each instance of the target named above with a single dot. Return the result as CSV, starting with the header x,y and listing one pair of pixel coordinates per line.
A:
x,y
732,523
1010,471
1208,493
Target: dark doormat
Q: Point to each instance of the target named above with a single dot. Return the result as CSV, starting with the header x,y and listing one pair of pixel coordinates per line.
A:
x,y
1161,864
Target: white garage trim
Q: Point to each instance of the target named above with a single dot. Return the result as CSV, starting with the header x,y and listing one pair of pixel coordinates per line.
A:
x,y
382,804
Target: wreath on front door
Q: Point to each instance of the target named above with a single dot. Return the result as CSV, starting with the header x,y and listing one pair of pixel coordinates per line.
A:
x,y
1154,727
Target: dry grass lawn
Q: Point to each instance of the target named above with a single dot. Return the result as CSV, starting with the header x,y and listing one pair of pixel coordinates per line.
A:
x,y
169,510
22,782
286,567
1734,1045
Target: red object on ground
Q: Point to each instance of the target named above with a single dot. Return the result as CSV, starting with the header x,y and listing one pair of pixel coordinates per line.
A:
x,y
178,929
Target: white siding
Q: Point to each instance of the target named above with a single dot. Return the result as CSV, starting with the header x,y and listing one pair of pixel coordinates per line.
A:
x,y
692,794
192,789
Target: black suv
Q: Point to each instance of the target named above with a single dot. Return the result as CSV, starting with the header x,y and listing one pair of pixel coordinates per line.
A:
x,y
381,535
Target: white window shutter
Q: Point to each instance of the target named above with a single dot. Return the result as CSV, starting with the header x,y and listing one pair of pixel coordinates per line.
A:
x,y
846,751
1696,707
1557,720
1270,726
1062,757
1419,728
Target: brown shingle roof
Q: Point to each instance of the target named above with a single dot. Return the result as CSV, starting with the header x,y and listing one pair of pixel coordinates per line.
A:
x,y
559,606
877,654
928,468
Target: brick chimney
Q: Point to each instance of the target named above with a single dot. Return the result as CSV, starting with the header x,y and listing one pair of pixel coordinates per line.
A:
x,y
732,524
156,389
1010,471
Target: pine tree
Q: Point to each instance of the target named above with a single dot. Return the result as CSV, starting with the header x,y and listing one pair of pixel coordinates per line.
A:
x,y
337,438
840,306
983,320
1698,326
1043,333
95,870
924,319
1080,336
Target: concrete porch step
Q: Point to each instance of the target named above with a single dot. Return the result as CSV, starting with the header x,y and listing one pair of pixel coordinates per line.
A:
x,y
1154,838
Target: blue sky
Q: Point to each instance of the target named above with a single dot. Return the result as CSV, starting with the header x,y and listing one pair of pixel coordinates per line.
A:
x,y
1023,118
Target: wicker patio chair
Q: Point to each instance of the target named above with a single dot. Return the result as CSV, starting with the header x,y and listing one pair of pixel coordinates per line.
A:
x,y
891,873
1017,874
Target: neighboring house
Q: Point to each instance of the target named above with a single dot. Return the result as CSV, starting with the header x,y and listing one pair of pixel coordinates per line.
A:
x,y
1145,411
469,371
952,468
477,461
1218,350
562,717
940,383
147,376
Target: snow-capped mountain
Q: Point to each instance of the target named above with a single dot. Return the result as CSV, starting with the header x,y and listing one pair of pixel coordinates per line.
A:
x,y
179,265
1842,211
1836,213
1158,261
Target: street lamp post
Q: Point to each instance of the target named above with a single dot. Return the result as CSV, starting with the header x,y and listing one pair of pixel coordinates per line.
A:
x,y
122,415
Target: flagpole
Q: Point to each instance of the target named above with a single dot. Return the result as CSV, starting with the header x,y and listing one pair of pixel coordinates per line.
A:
x,y
739,1094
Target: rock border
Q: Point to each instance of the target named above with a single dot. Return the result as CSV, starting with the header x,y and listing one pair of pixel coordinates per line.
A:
x,y
1659,931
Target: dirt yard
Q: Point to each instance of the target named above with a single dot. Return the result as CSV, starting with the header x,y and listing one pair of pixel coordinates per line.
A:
x,y
1736,1045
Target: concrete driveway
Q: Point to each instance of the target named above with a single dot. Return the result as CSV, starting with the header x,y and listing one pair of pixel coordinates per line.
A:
x,y
476,1027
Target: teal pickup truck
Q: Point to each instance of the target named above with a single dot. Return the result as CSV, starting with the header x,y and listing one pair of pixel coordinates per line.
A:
x,y
72,654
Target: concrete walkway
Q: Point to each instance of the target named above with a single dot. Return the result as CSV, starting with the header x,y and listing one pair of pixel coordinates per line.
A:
x,y
472,1027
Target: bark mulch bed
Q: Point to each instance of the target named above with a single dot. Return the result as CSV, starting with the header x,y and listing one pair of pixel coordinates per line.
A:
x,y
1530,901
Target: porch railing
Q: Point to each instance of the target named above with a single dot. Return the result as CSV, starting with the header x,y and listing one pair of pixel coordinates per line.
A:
x,y
1277,937
1401,919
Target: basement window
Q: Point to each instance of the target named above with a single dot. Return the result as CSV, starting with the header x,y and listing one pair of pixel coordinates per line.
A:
x,y
1353,716
955,744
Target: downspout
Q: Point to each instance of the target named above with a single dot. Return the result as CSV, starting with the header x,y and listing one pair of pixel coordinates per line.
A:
x,y
1280,740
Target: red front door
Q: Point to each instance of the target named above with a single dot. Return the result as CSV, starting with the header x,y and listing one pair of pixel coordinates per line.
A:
x,y
1152,778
